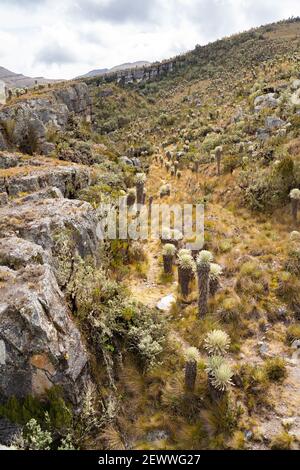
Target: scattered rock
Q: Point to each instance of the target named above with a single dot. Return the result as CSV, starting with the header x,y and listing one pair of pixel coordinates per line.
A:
x,y
262,134
157,435
166,302
270,100
296,344
273,122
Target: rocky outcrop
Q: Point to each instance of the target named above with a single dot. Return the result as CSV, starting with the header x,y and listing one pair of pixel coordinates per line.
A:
x,y
38,175
25,123
40,345
46,220
140,74
269,100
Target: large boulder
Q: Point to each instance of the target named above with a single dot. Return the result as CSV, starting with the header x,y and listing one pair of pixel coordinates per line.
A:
x,y
40,345
76,98
273,122
270,100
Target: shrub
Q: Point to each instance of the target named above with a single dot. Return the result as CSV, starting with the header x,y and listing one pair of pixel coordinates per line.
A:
x,y
35,438
275,369
147,334
211,141
169,249
292,263
266,189
295,236
9,126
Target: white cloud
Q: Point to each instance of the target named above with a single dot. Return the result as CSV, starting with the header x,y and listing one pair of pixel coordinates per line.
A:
x,y
64,39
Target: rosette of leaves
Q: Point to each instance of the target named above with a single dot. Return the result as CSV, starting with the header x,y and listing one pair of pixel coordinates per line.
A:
x,y
217,342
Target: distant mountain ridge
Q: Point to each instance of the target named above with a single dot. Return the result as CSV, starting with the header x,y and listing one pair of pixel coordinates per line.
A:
x,y
127,65
18,80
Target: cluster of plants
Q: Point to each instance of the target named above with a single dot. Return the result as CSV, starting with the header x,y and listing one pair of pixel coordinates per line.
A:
x,y
111,320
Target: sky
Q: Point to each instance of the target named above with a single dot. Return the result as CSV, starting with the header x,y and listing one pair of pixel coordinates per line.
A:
x,y
67,38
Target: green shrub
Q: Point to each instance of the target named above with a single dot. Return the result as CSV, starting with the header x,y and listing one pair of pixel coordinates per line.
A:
x,y
268,188
275,369
35,438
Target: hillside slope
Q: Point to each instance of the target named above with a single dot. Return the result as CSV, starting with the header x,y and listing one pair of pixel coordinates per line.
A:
x,y
221,129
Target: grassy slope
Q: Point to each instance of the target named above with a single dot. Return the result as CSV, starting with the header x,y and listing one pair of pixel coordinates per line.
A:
x,y
251,247
198,103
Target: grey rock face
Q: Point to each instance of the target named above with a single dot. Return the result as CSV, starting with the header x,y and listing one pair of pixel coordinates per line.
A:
x,y
76,98
40,346
16,253
8,433
8,160
49,193
42,221
269,100
67,179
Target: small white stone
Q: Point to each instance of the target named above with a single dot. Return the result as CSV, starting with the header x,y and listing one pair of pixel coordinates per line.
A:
x,y
166,302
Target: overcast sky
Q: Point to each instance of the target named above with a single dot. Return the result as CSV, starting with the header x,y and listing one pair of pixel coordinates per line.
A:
x,y
66,38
